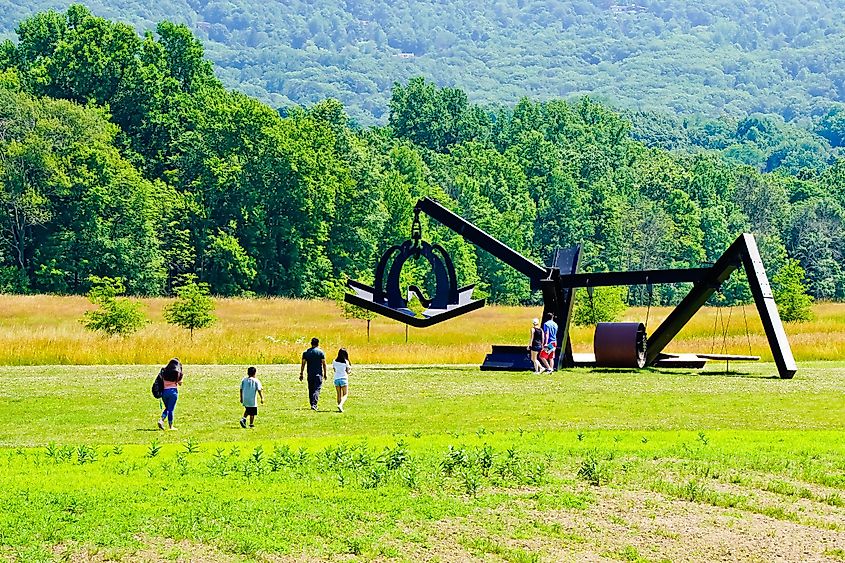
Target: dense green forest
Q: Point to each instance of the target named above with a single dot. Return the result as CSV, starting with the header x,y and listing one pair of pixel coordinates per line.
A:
x,y
713,58
124,155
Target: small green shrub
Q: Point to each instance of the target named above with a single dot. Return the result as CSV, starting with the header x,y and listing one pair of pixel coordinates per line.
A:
x,y
606,305
790,293
116,316
595,469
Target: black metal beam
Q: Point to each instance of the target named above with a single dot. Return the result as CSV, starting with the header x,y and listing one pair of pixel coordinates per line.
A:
x,y
482,239
408,319
743,252
765,301
695,300
599,279
565,262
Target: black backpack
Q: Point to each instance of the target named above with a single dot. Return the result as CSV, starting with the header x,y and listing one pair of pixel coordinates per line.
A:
x,y
158,386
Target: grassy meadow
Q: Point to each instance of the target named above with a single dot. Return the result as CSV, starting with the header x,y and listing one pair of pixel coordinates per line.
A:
x,y
45,330
427,463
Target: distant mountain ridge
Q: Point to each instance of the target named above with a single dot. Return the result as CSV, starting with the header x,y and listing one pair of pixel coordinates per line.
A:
x,y
723,57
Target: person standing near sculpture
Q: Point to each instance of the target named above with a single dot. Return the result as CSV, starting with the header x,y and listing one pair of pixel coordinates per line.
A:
x,y
315,360
536,344
547,355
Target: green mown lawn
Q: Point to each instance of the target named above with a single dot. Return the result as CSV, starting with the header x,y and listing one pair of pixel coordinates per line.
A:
x,y
426,463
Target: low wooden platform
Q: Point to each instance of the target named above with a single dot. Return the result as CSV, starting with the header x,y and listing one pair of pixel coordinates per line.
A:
x,y
729,357
517,358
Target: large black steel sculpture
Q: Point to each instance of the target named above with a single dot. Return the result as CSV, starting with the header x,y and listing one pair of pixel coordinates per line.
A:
x,y
615,344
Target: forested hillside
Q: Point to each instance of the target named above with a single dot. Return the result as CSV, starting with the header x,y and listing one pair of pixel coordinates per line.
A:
x,y
124,155
713,58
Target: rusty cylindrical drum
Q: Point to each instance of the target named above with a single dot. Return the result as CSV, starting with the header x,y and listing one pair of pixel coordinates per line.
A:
x,y
620,345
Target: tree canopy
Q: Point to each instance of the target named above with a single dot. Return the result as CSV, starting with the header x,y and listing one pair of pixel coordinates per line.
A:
x,y
711,58
129,159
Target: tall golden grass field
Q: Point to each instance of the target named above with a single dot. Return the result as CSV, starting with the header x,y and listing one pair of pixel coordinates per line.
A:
x,y
45,330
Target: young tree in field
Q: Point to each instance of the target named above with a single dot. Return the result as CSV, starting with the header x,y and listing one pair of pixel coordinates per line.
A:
x,y
193,308
336,291
606,306
791,293
116,316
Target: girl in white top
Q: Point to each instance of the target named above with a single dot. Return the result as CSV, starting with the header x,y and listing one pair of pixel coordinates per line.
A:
x,y
342,369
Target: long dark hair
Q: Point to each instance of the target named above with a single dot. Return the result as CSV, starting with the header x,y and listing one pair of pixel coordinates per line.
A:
x,y
172,371
343,356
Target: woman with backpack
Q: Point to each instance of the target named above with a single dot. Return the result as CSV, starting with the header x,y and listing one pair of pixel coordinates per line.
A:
x,y
171,376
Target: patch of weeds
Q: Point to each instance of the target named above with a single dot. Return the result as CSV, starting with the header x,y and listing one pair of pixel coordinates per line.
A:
x,y
59,454
191,446
806,493
456,458
181,463
221,463
580,436
280,458
471,481
560,500
835,553
664,533
354,546
781,488
389,551
410,476
396,457
618,520
373,478
833,499
595,469
255,465
154,448
125,468
535,473
483,546
627,553
702,437
511,469
695,491
776,512
85,454
246,545
708,470
555,530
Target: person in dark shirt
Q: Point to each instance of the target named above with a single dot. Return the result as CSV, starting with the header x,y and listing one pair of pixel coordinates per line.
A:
x,y
315,359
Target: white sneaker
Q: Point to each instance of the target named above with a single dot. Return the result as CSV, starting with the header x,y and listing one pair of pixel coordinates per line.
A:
x,y
340,408
160,424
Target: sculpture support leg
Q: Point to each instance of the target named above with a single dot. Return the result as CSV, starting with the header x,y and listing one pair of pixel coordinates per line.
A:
x,y
743,252
767,308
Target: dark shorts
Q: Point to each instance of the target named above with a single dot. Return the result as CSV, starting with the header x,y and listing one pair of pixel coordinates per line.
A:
x,y
536,348
253,411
